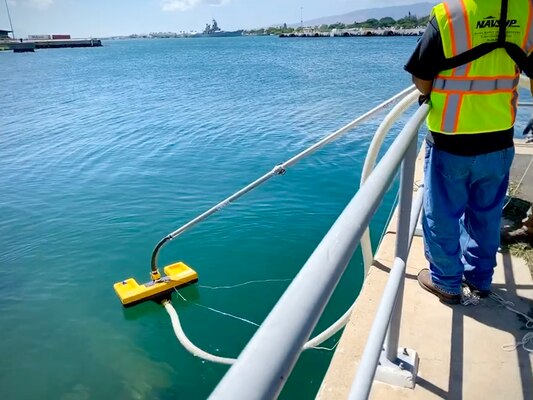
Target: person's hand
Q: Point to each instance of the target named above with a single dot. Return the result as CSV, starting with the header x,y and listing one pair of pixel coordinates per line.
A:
x,y
423,98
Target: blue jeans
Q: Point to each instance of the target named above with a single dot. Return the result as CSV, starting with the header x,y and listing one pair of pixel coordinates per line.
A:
x,y
463,200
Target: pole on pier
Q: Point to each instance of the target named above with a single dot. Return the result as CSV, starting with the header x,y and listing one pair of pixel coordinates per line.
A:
x,y
9,17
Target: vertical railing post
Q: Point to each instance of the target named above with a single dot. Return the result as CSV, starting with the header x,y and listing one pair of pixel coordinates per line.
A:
x,y
402,246
396,364
373,363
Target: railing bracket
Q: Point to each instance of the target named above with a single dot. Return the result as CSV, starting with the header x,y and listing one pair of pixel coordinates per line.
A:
x,y
401,373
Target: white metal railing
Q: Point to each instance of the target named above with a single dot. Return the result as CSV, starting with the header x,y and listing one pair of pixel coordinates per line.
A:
x,y
280,170
264,365
397,365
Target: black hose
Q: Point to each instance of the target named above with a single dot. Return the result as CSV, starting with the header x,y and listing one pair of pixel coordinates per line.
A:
x,y
153,262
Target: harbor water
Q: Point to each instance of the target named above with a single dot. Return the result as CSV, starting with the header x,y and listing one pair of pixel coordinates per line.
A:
x,y
106,150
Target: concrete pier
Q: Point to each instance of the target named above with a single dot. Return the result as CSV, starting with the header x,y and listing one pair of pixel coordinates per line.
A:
x,y
67,43
460,347
30,45
22,47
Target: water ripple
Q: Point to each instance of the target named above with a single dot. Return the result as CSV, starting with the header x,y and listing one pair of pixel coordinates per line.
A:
x,y
106,150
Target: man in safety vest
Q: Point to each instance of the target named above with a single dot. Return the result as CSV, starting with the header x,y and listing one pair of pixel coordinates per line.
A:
x,y
468,64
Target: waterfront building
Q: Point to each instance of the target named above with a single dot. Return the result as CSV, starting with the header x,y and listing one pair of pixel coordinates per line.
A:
x,y
4,35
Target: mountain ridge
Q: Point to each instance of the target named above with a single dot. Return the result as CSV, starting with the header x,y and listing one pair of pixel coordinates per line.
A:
x,y
396,12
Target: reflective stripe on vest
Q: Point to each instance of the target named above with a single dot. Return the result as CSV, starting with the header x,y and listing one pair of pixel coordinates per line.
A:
x,y
461,42
459,30
447,84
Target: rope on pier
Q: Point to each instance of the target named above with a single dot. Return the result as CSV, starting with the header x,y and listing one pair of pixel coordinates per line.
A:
x,y
525,340
528,337
468,298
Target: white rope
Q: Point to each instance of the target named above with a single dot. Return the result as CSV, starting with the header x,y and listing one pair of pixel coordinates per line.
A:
x,y
525,340
469,298
218,311
529,324
326,348
509,305
243,284
313,343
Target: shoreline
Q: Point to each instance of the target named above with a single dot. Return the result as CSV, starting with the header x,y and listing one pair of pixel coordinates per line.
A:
x,y
325,34
358,32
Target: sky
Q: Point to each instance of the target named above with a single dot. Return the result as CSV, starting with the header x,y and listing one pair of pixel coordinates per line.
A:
x,y
102,18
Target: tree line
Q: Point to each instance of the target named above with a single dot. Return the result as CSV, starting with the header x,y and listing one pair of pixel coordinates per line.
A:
x,y
408,22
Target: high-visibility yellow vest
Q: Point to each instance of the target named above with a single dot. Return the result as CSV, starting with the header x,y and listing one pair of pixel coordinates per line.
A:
x,y
480,96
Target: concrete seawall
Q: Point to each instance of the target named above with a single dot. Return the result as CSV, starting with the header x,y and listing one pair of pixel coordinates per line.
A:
x,y
30,45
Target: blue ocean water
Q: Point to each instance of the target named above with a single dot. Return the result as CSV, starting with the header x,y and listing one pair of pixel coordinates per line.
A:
x,y
106,150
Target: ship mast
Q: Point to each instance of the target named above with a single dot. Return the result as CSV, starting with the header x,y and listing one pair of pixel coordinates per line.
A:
x,y
9,17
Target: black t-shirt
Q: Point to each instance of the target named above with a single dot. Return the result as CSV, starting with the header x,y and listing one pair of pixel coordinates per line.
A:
x,y
425,63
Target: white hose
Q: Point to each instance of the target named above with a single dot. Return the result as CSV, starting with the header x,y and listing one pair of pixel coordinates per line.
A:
x,y
370,162
314,343
332,330
184,340
196,351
